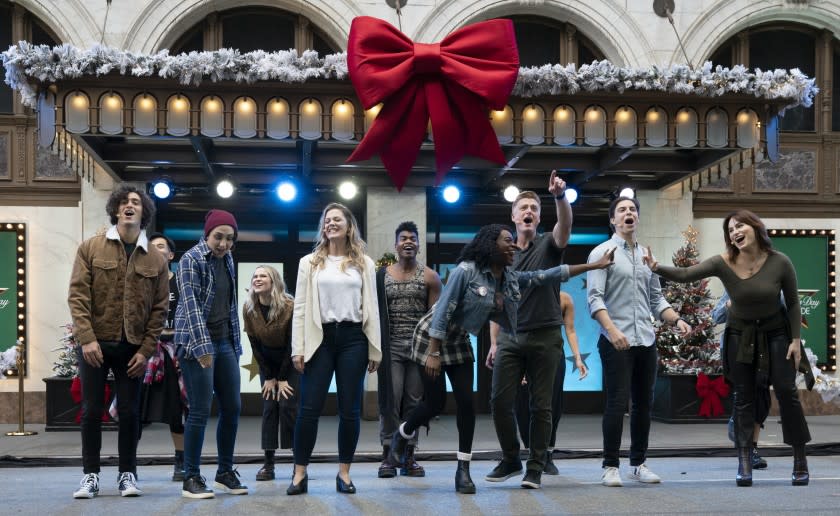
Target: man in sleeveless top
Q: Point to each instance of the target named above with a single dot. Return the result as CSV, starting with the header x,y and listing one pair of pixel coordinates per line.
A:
x,y
406,291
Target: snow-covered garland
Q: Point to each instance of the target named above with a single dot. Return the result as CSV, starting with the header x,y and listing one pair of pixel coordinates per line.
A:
x,y
27,64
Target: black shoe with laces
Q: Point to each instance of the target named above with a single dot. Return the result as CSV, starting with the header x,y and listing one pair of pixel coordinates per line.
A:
x,y
88,487
196,487
504,470
531,480
229,483
550,468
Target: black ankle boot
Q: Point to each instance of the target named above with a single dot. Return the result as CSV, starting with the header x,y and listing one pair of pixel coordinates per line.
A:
x,y
386,469
178,469
398,444
800,476
267,471
744,476
463,482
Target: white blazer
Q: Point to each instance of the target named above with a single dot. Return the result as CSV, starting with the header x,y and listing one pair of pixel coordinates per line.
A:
x,y
307,332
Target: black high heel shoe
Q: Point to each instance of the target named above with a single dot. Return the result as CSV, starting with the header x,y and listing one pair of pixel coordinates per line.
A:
x,y
301,488
344,487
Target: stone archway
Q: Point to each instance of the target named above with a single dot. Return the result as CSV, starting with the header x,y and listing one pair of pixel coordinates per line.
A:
x,y
718,23
70,21
163,21
616,34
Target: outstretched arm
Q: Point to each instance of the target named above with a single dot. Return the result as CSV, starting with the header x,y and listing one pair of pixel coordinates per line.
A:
x,y
563,228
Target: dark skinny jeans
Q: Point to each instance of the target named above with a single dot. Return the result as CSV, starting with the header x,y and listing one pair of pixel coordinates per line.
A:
x,y
434,400
116,356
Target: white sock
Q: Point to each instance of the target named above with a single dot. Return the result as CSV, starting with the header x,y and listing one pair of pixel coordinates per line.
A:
x,y
405,435
464,456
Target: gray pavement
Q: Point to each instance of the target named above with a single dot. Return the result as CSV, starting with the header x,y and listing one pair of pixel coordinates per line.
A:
x,y
696,462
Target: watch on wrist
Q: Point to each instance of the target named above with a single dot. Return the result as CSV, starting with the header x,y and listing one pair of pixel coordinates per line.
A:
x,y
561,196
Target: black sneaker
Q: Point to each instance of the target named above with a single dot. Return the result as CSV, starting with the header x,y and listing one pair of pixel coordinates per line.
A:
x,y
88,487
229,483
531,480
503,471
127,484
550,468
196,487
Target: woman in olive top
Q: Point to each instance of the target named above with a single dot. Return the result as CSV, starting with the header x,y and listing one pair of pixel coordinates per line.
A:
x,y
762,340
267,315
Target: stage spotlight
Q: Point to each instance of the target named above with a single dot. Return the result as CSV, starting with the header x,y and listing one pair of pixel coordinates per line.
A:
x,y
627,192
162,189
451,194
510,193
225,188
347,190
571,195
286,191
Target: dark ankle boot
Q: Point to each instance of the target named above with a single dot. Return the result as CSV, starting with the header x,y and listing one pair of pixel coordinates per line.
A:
x,y
178,469
463,482
744,476
758,461
410,467
267,471
398,444
387,469
800,475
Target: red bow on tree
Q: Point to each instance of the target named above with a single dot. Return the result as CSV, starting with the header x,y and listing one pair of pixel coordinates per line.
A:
x,y
710,393
453,83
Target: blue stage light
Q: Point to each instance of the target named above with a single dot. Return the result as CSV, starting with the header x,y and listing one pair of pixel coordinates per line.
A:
x,y
162,189
451,194
286,191
571,195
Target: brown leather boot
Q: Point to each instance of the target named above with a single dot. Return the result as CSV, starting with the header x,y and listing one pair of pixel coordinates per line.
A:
x,y
387,468
410,467
800,476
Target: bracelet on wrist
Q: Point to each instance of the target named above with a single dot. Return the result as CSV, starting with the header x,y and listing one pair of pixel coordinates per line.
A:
x,y
434,354
561,196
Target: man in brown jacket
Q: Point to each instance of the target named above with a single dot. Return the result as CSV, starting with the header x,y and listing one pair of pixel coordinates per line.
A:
x,y
119,296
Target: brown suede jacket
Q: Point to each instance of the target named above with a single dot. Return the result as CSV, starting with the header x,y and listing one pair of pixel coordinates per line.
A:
x,y
109,292
276,334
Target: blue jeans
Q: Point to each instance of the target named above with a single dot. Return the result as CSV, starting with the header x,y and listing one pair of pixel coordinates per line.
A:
x,y
222,378
628,375
344,351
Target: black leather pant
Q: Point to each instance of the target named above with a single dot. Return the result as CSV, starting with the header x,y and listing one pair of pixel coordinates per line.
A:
x,y
781,375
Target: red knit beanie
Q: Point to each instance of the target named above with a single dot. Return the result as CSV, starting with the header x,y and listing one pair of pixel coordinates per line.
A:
x,y
216,218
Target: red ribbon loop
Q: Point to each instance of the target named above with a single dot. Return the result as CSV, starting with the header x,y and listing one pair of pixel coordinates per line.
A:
x,y
452,83
710,393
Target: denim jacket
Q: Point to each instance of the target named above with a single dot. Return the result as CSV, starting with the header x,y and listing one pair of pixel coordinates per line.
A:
x,y
469,296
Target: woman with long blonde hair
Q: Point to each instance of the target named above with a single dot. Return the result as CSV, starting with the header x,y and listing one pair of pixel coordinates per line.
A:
x,y
267,315
335,329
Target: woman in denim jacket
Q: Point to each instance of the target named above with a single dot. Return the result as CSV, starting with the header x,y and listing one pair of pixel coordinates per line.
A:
x,y
482,287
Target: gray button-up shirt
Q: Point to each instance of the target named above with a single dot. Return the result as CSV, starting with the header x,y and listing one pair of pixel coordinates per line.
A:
x,y
628,290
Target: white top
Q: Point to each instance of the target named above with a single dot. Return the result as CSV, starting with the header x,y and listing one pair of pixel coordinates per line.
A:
x,y
340,292
307,331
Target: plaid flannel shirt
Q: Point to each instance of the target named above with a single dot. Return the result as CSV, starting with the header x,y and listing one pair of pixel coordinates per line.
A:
x,y
456,348
197,286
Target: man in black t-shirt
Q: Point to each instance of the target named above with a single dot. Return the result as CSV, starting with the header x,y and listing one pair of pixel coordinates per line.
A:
x,y
537,347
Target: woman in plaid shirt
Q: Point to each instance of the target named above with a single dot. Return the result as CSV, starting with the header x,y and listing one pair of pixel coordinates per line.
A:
x,y
482,287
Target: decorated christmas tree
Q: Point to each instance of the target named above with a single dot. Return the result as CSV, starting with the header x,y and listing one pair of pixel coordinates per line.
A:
x,y
66,365
699,351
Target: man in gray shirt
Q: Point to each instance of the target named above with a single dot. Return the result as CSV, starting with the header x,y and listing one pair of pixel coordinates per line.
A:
x,y
623,299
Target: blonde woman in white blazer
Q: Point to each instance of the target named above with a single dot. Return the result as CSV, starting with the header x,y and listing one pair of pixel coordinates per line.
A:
x,y
335,329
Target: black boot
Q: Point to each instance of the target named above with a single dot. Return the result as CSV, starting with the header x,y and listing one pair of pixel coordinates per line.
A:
x,y
178,469
398,444
800,475
463,482
387,469
267,471
410,467
758,461
744,476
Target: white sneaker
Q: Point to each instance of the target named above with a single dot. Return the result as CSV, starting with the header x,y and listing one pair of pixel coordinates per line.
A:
x,y
88,487
611,478
644,475
127,484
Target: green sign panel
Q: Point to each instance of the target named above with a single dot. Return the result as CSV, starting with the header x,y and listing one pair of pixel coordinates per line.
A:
x,y
809,254
8,288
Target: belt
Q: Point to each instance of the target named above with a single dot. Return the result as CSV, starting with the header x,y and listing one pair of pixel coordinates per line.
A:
x,y
340,324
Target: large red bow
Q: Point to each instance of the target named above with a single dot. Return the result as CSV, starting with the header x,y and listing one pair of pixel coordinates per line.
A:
x,y
710,393
453,83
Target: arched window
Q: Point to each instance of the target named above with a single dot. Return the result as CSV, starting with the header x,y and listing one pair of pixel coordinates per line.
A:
x,y
254,28
34,30
545,41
